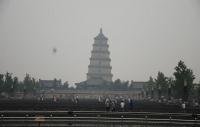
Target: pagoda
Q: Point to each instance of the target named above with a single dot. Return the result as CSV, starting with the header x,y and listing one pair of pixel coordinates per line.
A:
x,y
99,69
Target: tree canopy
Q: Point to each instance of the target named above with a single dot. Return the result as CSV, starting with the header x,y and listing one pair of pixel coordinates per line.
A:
x,y
183,75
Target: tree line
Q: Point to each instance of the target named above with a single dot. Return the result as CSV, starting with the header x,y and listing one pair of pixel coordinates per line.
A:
x,y
10,85
181,86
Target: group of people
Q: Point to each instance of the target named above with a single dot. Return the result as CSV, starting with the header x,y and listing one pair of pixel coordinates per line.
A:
x,y
122,104
110,105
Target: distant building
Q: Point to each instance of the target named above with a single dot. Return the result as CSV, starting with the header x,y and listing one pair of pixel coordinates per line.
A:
x,y
99,69
50,84
138,86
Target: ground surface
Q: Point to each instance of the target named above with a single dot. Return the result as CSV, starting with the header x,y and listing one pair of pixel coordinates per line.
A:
x,y
89,112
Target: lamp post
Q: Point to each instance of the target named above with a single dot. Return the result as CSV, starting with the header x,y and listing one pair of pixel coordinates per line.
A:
x,y
24,91
185,91
146,92
169,91
12,89
159,92
152,92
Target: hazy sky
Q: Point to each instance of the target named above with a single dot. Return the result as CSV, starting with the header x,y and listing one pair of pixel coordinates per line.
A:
x,y
145,36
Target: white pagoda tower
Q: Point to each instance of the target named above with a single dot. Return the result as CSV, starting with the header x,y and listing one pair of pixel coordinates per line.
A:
x,y
99,69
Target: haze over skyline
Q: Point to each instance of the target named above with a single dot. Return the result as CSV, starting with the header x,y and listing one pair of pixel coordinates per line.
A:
x,y
145,36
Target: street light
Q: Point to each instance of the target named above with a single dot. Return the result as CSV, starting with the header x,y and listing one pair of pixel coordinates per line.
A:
x,y
24,91
152,92
159,91
185,92
12,90
169,91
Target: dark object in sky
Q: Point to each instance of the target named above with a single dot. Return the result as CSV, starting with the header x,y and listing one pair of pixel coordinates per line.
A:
x,y
54,50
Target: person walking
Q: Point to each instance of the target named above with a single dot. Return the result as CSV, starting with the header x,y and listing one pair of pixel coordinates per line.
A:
x,y
99,99
183,106
130,102
122,105
113,107
107,104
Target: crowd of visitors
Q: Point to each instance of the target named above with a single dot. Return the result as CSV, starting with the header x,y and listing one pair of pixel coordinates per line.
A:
x,y
117,103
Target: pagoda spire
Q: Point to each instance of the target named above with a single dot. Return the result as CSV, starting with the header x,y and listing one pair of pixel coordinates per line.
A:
x,y
100,35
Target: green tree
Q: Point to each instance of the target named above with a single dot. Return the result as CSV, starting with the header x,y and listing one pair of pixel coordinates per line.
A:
x,y
28,84
8,85
1,82
20,86
184,78
150,87
14,85
198,92
170,84
125,85
119,85
161,84
117,82
34,87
